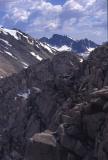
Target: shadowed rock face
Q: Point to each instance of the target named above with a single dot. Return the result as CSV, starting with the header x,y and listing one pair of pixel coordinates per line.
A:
x,y
29,101
82,122
58,98
82,132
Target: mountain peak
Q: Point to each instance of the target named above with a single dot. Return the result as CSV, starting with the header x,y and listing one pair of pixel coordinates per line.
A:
x,y
63,41
61,36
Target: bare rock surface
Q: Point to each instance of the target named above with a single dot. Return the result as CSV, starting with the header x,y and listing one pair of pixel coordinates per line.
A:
x,y
56,110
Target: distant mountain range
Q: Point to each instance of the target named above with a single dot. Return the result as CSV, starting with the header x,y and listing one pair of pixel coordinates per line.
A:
x,y
60,43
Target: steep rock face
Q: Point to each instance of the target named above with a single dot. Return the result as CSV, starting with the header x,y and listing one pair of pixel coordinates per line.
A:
x,y
96,69
81,132
29,101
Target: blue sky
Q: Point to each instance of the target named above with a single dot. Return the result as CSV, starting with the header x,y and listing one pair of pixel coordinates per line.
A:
x,y
75,18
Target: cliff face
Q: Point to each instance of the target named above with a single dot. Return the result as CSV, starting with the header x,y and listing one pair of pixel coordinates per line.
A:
x,y
82,120
65,99
96,68
81,134
29,101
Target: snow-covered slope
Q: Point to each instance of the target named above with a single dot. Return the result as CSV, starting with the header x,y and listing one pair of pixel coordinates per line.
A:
x,y
62,48
19,50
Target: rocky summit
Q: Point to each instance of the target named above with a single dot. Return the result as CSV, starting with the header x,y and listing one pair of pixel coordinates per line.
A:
x,y
56,109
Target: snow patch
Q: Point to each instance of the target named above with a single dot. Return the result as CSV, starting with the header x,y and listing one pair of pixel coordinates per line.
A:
x,y
37,46
30,42
84,55
24,95
10,54
63,48
25,65
2,30
22,35
70,37
37,56
81,60
33,54
90,49
46,46
5,42
11,32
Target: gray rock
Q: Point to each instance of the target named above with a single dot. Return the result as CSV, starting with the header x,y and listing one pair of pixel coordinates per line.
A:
x,y
42,147
105,107
73,145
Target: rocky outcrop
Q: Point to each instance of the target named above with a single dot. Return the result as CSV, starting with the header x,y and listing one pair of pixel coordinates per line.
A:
x,y
56,109
96,69
42,146
30,100
82,132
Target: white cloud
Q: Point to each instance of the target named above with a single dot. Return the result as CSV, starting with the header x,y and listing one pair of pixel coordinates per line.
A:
x,y
90,2
73,5
79,5
41,24
17,11
22,9
19,14
46,7
54,24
